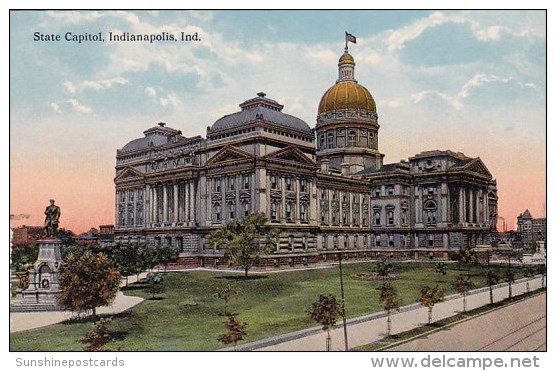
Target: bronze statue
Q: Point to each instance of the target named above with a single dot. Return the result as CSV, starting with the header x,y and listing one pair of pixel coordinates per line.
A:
x,y
52,219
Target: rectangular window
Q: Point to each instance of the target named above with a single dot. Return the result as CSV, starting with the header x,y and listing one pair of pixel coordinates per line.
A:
x,y
218,212
245,209
289,209
391,240
376,191
302,212
274,211
245,181
274,182
390,190
217,185
303,185
431,240
231,183
289,183
231,210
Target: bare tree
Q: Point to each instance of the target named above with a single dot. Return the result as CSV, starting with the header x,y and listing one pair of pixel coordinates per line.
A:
x,y
429,297
389,298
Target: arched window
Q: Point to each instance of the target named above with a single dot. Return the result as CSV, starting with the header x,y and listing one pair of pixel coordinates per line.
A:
x,y
330,140
274,211
376,217
231,210
429,211
390,217
352,139
303,212
289,211
322,142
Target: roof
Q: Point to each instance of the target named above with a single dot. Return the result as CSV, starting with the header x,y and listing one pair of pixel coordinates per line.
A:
x,y
386,168
155,136
260,108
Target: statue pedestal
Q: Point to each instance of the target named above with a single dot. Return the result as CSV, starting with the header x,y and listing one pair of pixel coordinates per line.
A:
x,y
44,285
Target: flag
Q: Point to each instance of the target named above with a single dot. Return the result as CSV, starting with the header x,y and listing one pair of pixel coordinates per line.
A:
x,y
351,38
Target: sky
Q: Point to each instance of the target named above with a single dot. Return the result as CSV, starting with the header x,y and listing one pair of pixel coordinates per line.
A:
x,y
468,81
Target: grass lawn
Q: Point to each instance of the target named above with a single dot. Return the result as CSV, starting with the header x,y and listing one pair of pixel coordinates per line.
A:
x,y
187,317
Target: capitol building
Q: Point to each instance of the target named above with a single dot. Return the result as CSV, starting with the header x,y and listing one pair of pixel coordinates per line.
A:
x,y
325,189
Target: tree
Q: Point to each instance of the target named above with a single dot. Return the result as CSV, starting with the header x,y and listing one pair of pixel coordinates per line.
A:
x,y
97,337
325,311
510,278
87,282
429,297
127,259
155,281
23,256
467,257
235,332
147,256
226,293
541,269
528,273
245,240
441,268
389,298
492,279
463,285
167,254
383,268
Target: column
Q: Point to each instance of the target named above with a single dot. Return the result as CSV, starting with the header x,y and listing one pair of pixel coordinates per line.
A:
x,y
147,201
486,216
164,203
186,201
297,204
419,208
461,205
117,221
192,201
156,218
478,206
471,216
175,186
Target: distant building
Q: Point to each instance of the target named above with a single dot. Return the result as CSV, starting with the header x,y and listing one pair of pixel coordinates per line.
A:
x,y
106,233
27,234
531,229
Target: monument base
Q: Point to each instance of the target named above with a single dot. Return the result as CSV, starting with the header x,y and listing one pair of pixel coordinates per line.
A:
x,y
44,285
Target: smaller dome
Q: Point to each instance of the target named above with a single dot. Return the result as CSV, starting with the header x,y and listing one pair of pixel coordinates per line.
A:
x,y
346,58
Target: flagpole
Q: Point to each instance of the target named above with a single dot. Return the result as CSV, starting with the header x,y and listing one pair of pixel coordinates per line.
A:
x,y
346,49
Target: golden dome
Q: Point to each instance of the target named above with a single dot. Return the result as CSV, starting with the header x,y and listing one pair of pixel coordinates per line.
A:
x,y
346,58
347,94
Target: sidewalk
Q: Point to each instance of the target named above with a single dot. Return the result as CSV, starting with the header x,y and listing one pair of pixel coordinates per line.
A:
x,y
21,321
370,328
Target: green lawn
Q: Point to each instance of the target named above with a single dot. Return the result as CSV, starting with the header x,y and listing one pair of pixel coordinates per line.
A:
x,y
187,317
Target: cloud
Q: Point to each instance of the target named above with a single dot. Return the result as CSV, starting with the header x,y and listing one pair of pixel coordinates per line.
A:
x,y
55,107
150,91
171,99
70,87
79,107
479,80
201,15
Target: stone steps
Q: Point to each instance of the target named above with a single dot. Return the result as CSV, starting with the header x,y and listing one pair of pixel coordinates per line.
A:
x,y
31,307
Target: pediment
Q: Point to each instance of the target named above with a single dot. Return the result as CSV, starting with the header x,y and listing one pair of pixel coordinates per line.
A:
x,y
291,154
229,153
129,173
477,166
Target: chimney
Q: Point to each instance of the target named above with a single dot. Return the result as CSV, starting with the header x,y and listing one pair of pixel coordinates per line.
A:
x,y
325,166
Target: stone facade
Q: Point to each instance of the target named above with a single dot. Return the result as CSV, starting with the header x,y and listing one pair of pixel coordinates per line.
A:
x,y
326,189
